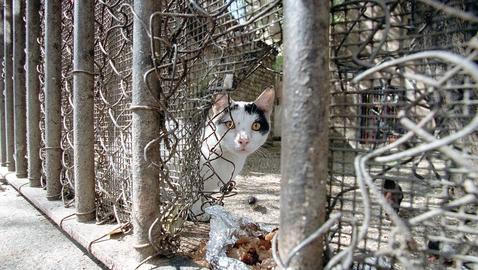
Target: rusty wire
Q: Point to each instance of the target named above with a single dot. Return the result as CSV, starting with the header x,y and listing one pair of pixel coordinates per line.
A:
x,y
403,144
113,57
66,144
66,178
198,62
206,48
388,124
41,95
196,56
408,118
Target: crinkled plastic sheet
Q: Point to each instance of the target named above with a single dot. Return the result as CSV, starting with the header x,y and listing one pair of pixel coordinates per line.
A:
x,y
225,230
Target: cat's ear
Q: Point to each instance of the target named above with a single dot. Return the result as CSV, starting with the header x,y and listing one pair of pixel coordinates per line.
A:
x,y
265,101
220,102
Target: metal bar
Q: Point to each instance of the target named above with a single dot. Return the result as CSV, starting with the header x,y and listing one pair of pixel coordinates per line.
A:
x,y
19,88
3,157
9,85
53,98
145,128
33,89
305,144
83,108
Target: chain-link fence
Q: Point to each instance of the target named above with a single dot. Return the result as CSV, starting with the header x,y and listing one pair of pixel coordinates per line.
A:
x,y
402,142
41,94
113,54
67,177
402,151
205,48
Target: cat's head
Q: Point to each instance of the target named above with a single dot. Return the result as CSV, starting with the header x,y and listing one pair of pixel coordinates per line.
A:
x,y
243,126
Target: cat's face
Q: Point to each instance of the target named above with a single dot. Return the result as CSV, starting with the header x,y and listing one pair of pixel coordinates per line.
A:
x,y
243,126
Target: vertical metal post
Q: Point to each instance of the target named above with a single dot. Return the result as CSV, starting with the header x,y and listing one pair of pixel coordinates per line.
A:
x,y
83,103
19,88
53,98
145,127
3,157
33,89
7,8
305,141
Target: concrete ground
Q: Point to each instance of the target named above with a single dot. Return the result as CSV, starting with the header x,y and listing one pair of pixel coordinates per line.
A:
x,y
115,252
28,240
260,179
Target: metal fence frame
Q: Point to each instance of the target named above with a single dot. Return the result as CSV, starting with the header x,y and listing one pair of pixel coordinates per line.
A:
x,y
306,109
145,115
19,88
8,66
145,126
305,146
53,98
33,31
2,96
83,121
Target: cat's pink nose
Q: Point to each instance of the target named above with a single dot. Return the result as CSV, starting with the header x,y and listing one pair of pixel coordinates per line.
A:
x,y
243,141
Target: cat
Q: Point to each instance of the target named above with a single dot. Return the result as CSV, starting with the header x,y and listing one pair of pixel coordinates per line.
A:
x,y
235,130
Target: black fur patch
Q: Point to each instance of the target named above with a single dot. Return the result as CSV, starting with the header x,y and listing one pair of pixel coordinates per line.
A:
x,y
251,108
234,107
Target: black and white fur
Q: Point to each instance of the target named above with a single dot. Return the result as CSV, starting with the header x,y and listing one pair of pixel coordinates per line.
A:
x,y
226,146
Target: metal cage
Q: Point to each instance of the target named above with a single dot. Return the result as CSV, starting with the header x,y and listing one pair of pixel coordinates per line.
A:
x,y
402,142
403,82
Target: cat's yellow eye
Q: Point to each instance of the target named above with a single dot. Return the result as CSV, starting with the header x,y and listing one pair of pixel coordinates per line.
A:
x,y
229,124
256,126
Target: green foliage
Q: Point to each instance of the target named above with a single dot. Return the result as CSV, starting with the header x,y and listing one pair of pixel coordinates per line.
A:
x,y
337,2
337,17
278,63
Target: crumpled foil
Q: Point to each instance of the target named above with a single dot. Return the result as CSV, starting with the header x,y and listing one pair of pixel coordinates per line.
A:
x,y
224,232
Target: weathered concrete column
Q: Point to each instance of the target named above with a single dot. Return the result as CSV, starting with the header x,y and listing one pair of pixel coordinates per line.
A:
x,y
145,128
53,98
3,146
83,103
33,89
19,88
9,125
305,140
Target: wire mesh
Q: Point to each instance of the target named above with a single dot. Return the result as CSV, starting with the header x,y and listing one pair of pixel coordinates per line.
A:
x,y
405,200
113,57
206,47
66,144
41,95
